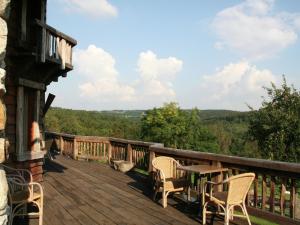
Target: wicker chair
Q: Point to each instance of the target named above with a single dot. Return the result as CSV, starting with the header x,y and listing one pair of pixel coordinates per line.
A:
x,y
165,178
238,187
21,173
23,192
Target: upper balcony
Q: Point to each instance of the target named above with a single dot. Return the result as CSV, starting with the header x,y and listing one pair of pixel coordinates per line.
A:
x,y
54,46
43,52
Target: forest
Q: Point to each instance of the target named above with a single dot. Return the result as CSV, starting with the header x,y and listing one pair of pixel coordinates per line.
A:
x,y
271,132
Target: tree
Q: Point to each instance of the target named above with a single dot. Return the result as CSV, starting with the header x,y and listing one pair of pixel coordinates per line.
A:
x,y
177,128
276,125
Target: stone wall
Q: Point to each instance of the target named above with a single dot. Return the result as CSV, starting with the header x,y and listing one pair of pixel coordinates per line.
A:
x,y
4,15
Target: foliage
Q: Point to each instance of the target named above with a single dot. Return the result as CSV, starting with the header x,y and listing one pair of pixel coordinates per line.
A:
x,y
177,128
92,123
276,125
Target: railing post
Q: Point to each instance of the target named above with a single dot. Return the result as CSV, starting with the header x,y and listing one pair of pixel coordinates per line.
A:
x,y
218,178
109,152
151,157
293,197
75,149
61,144
129,153
150,168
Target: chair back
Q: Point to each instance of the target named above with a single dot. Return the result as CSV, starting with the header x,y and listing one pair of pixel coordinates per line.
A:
x,y
238,187
166,165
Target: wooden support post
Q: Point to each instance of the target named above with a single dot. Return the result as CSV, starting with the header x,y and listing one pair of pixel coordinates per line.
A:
x,y
61,144
129,153
293,197
24,21
150,168
20,145
264,192
75,149
109,152
256,190
218,178
282,196
272,194
151,157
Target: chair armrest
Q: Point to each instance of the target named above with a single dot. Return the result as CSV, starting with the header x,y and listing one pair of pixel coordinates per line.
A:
x,y
32,187
159,175
212,184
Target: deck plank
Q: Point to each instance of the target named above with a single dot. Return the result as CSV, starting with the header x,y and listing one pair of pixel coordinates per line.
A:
x,y
89,193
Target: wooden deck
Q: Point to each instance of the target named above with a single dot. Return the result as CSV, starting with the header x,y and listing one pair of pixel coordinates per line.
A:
x,y
87,193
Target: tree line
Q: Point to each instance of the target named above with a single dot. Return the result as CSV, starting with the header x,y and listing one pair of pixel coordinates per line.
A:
x,y
272,132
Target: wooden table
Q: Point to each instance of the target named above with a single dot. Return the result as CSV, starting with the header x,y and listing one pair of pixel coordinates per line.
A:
x,y
202,170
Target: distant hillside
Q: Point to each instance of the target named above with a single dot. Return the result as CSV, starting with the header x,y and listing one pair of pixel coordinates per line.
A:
x,y
204,114
227,115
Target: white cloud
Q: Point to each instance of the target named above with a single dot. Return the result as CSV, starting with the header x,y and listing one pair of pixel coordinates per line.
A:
x,y
151,67
253,30
156,77
101,84
93,8
97,67
235,85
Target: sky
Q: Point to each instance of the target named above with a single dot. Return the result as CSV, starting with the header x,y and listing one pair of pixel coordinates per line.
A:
x,y
209,54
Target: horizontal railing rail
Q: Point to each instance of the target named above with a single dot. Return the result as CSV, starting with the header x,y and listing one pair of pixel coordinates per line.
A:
x,y
274,193
54,45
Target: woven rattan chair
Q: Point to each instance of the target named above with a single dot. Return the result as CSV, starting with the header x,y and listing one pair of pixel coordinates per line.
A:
x,y
238,187
22,193
165,178
21,173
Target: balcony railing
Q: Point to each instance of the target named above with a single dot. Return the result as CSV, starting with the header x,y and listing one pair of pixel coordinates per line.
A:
x,y
273,195
54,46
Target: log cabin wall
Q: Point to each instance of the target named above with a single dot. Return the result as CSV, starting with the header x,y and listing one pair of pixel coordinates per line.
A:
x,y
4,16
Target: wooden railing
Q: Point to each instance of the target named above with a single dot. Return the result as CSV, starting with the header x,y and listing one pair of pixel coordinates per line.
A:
x,y
273,195
54,45
101,148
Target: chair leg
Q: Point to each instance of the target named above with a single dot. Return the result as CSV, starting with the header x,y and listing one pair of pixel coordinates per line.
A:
x,y
231,213
189,193
41,218
41,213
164,198
155,193
226,216
204,214
246,213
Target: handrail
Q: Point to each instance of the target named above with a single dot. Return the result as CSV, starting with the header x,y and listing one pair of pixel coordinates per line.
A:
x,y
243,161
58,33
54,45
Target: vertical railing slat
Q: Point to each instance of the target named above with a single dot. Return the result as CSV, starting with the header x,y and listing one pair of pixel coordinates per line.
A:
x,y
264,192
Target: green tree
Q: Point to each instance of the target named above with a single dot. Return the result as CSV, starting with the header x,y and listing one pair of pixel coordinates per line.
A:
x,y
177,128
276,125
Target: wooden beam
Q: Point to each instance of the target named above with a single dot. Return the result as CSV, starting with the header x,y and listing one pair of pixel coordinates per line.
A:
x,y
129,153
20,122
48,103
32,84
24,21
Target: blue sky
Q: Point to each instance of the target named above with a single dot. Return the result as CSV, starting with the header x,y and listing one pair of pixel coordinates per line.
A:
x,y
207,54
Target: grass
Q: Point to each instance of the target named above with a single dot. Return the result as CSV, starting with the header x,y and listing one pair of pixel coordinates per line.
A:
x,y
258,220
141,171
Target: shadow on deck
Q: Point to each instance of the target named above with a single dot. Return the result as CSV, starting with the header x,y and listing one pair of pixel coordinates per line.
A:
x,y
87,193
